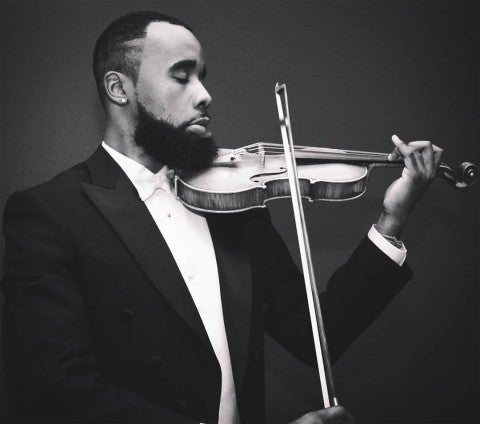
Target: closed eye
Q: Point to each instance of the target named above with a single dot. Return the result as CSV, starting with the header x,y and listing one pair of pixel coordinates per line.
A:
x,y
181,79
181,70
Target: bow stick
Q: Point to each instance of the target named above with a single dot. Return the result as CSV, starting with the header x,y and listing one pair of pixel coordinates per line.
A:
x,y
319,337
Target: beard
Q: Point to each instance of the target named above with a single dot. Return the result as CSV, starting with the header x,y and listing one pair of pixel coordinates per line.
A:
x,y
173,145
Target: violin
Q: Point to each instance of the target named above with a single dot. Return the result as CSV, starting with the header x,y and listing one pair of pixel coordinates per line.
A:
x,y
246,178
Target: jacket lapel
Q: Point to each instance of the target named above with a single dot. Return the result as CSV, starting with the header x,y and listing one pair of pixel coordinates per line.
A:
x,y
117,199
236,288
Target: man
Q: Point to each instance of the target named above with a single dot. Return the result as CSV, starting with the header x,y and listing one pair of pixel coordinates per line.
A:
x,y
123,305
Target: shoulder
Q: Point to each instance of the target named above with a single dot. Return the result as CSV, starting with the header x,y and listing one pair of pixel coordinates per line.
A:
x,y
64,182
62,189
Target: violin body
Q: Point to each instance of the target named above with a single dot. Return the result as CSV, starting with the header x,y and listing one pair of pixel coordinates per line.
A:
x,y
248,177
240,181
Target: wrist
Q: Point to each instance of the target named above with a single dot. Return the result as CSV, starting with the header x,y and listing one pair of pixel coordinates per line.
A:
x,y
390,225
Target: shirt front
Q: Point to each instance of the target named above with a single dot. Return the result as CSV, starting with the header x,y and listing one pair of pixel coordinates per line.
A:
x,y
188,238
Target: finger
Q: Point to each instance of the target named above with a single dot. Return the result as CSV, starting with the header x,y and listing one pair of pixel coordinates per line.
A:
x,y
407,154
420,144
420,148
419,161
426,147
438,153
395,155
421,153
429,159
423,148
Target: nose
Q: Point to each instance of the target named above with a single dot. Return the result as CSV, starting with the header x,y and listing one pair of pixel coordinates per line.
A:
x,y
203,98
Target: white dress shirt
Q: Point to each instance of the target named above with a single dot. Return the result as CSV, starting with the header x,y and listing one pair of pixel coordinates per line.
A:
x,y
186,234
396,254
188,238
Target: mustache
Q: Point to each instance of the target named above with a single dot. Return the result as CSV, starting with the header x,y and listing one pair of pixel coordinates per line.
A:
x,y
201,116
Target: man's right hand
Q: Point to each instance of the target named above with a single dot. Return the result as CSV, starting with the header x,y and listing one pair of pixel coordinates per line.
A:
x,y
333,415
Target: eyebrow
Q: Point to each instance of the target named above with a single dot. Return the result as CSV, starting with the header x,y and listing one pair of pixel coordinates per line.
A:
x,y
188,65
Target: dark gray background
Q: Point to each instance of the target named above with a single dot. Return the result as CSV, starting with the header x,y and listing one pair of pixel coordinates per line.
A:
x,y
356,73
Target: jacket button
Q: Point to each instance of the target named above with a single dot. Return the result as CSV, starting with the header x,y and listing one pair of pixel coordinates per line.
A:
x,y
126,315
155,361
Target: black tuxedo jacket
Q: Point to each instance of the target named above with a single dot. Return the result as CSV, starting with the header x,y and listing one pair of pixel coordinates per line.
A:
x,y
100,326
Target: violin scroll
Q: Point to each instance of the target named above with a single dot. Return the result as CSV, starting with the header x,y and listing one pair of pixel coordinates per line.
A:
x,y
465,176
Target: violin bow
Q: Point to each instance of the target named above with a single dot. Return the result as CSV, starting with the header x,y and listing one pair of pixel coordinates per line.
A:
x,y
318,329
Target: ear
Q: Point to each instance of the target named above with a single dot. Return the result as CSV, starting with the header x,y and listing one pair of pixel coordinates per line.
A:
x,y
116,85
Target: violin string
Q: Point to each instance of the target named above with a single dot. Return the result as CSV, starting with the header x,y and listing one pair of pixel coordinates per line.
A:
x,y
274,148
271,148
322,150
341,154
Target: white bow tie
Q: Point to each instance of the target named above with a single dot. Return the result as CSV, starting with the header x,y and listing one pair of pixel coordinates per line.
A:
x,y
146,183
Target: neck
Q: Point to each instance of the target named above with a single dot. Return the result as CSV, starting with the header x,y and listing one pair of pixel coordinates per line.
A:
x,y
121,139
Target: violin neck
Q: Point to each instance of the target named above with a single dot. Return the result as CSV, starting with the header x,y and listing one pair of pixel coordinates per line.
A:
x,y
346,157
308,154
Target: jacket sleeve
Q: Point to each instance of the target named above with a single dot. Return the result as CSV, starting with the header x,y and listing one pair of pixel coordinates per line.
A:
x,y
356,295
48,353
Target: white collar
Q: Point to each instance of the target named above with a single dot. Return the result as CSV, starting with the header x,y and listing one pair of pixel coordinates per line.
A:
x,y
145,181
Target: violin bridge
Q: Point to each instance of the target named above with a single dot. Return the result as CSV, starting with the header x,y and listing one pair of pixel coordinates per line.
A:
x,y
175,186
261,150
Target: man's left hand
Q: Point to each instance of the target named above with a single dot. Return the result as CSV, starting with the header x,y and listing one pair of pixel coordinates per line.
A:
x,y
421,159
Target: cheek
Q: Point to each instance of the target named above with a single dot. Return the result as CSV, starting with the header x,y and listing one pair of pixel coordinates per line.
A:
x,y
163,103
150,98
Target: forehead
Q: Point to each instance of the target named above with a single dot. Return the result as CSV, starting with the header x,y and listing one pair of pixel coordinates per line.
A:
x,y
167,44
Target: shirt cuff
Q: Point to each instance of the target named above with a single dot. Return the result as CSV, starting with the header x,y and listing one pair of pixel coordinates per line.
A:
x,y
397,255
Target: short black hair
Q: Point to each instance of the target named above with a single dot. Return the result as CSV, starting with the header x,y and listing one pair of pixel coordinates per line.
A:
x,y
113,52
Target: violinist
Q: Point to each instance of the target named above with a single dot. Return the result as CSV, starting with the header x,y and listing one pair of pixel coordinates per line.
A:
x,y
122,305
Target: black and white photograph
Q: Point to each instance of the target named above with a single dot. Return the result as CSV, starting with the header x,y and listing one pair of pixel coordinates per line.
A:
x,y
239,212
